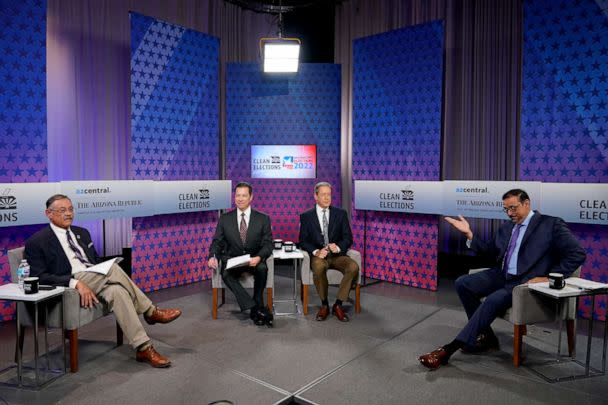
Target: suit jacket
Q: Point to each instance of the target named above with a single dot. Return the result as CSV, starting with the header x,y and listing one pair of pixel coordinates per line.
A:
x,y
47,259
548,246
338,229
227,239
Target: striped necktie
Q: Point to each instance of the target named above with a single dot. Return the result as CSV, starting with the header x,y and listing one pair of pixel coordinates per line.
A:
x,y
83,259
243,229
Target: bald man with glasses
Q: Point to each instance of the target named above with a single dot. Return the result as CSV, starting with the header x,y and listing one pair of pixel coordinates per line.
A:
x,y
525,250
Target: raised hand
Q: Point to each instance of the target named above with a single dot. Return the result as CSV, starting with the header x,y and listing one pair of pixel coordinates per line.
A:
x,y
462,225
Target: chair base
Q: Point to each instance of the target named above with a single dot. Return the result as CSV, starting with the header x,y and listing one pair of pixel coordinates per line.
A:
x,y
520,330
214,305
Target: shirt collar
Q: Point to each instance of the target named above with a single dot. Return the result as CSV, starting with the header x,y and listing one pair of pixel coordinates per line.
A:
x,y
58,230
528,218
320,210
247,212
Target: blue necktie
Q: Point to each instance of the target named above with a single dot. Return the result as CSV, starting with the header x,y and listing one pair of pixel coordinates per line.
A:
x,y
511,247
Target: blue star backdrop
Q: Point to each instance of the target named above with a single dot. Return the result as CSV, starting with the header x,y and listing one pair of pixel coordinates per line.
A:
x,y
23,145
564,130
175,136
397,97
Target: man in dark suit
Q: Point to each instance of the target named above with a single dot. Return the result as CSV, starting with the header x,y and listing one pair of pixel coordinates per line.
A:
x,y
62,254
326,235
240,232
525,250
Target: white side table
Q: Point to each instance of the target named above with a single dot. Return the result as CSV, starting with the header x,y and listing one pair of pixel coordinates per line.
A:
x,y
562,296
297,257
12,292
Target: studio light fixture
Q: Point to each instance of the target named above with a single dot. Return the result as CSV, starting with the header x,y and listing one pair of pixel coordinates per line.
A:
x,y
280,55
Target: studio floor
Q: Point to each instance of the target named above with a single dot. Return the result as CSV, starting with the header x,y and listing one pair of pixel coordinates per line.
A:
x,y
370,360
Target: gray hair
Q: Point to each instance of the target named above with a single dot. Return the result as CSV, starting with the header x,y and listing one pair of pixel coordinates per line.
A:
x,y
56,197
321,184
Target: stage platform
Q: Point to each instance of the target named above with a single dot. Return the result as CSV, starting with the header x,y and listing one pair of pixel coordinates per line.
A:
x,y
370,360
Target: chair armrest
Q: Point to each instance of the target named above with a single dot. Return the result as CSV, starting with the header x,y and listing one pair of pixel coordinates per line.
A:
x,y
270,275
356,256
306,273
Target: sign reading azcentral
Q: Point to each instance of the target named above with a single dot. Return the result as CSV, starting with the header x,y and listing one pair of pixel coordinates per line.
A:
x,y
110,199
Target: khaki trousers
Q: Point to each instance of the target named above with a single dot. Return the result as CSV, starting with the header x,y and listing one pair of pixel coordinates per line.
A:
x,y
344,264
123,297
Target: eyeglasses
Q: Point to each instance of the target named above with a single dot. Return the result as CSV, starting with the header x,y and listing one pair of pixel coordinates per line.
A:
x,y
512,208
62,210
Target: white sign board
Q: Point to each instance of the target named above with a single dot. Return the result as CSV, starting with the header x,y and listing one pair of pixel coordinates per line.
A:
x,y
422,197
582,203
191,196
24,203
483,199
100,199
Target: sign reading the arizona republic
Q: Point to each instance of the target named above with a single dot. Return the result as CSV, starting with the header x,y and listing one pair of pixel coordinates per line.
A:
x,y
191,196
483,199
582,203
422,197
23,203
99,199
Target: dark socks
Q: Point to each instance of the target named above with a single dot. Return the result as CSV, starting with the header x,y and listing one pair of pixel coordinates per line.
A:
x,y
338,302
325,302
453,346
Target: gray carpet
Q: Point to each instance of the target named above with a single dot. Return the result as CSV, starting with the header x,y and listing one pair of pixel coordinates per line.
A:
x,y
372,359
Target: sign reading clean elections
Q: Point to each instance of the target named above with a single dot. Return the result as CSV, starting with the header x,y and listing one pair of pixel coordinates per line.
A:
x,y
283,161
423,197
483,199
191,196
101,199
583,203
23,203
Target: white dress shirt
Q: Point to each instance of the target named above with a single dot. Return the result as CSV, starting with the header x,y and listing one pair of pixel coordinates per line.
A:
x,y
320,218
77,265
247,213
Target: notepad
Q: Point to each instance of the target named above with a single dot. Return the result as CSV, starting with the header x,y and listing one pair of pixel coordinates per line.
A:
x,y
585,284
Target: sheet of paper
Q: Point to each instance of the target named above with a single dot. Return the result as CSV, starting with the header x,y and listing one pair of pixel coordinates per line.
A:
x,y
585,284
103,267
238,261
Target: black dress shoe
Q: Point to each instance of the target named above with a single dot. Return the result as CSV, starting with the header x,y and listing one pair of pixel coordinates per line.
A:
x,y
268,317
257,316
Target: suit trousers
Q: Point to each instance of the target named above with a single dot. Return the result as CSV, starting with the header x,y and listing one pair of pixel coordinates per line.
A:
x,y
260,275
498,298
344,264
123,297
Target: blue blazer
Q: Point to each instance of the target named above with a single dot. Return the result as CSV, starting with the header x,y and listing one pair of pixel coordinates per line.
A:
x,y
47,259
548,246
338,229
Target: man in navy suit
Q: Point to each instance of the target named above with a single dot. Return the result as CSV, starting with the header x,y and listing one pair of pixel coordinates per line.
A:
x,y
326,235
525,250
240,232
61,254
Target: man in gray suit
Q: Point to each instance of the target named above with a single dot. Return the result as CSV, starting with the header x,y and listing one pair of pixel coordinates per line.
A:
x,y
240,232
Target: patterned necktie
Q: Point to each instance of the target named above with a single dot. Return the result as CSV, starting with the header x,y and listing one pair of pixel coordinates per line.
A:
x,y
511,248
325,228
79,256
243,228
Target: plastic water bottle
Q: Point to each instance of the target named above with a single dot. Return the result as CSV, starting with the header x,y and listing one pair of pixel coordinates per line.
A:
x,y
23,271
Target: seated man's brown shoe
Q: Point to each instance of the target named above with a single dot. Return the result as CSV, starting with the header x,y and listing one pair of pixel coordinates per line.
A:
x,y
152,357
323,313
339,313
435,359
162,316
